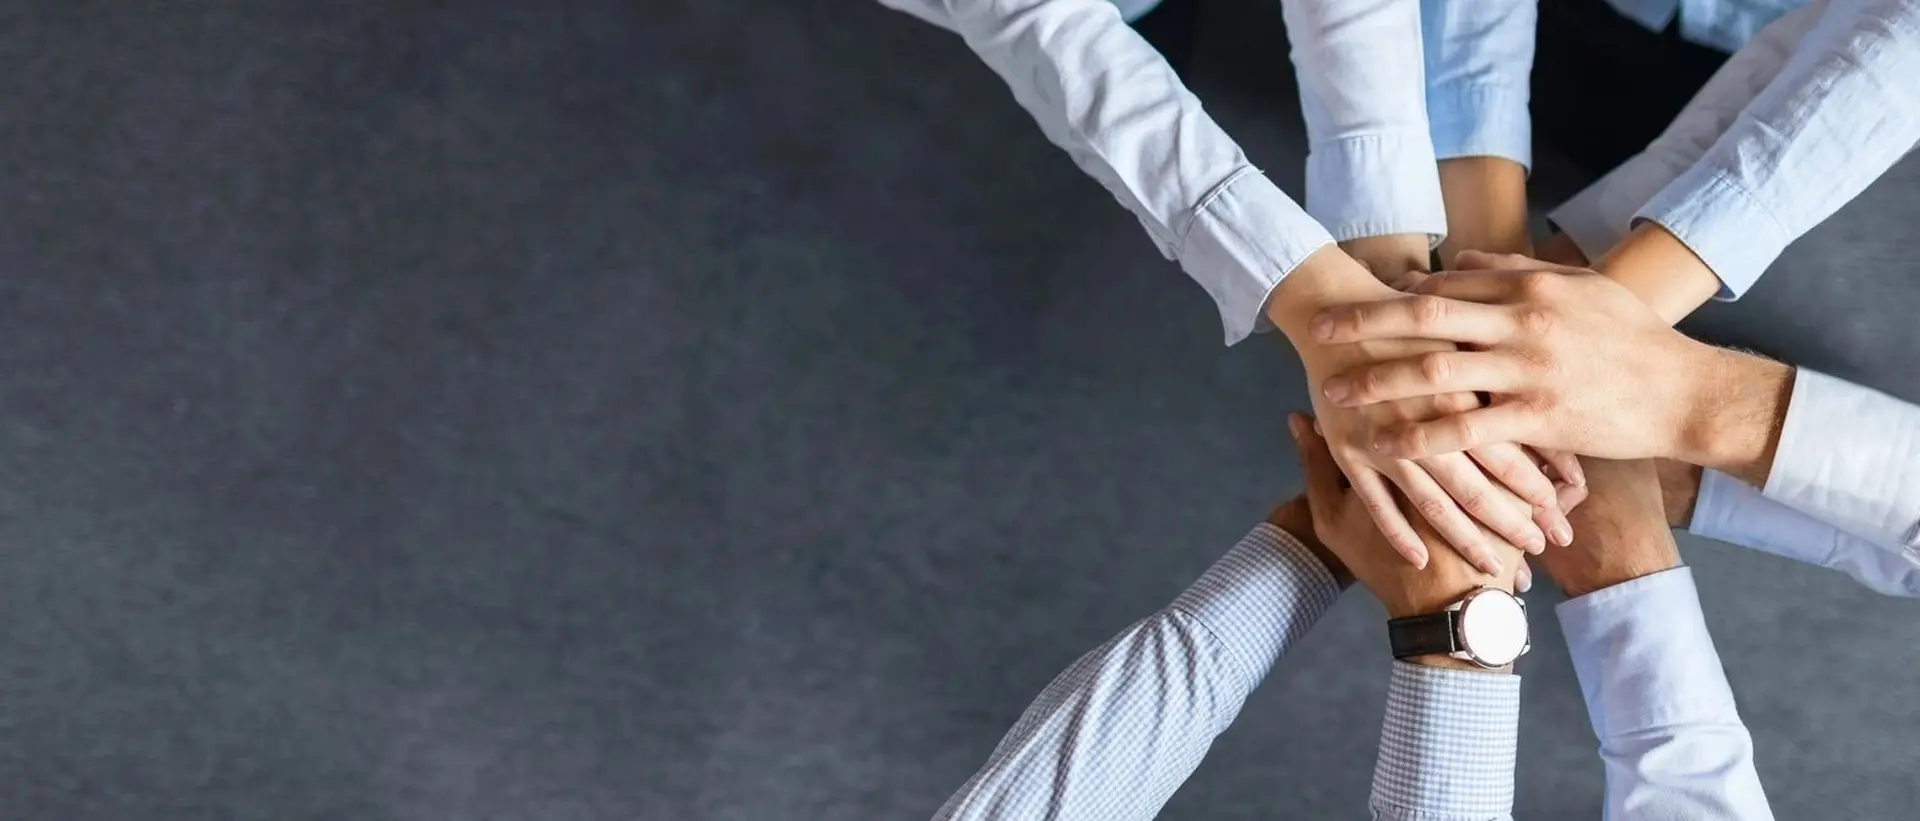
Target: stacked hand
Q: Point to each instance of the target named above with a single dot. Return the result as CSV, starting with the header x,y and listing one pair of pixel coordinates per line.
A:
x,y
1573,361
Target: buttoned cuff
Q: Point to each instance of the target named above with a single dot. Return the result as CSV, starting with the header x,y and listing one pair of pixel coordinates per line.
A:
x,y
1644,657
1377,184
1243,239
1447,745
1480,121
1821,468
1260,598
1730,229
1598,217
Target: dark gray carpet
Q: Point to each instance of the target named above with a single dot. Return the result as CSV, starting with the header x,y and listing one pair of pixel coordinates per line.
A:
x,y
666,410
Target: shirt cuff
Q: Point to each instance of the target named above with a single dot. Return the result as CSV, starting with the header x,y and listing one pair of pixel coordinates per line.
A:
x,y
1242,240
1447,746
1260,598
1821,468
1480,121
1731,230
1732,511
1598,217
1644,657
1377,184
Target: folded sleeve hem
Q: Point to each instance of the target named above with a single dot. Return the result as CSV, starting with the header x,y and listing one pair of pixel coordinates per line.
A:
x,y
1735,234
1476,120
1374,184
1242,241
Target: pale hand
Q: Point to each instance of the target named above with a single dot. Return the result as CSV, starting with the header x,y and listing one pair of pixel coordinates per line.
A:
x,y
1574,362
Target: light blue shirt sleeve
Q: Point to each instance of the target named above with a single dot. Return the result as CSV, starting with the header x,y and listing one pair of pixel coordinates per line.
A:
x,y
1118,732
1841,111
1601,214
1109,100
1370,161
1850,455
1479,67
1735,512
1670,738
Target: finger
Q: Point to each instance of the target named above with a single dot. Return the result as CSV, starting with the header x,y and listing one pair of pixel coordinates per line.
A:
x,y
1434,504
1428,374
1565,465
1522,578
1484,286
1508,464
1321,473
1474,491
1499,422
1373,493
1483,261
1571,496
1424,317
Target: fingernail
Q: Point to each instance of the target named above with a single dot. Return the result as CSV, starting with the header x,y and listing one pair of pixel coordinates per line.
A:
x,y
1336,389
1523,582
1562,535
1293,426
1322,327
1497,568
1536,543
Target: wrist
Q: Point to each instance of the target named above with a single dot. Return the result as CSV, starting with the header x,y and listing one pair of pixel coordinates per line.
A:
x,y
1327,278
1662,271
1624,560
1736,409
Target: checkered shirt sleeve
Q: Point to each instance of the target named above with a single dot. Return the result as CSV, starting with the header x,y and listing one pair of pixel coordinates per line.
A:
x,y
1447,746
1115,735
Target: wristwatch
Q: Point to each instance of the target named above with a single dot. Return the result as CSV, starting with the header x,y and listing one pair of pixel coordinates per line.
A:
x,y
1487,627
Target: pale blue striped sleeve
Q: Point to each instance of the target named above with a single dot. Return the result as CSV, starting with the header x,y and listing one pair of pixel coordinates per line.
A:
x,y
1447,746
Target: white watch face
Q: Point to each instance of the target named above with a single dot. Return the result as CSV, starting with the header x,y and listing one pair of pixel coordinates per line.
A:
x,y
1493,626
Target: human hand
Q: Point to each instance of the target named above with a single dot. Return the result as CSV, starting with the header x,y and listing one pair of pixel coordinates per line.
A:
x,y
1574,362
1622,530
1330,277
1494,485
1343,524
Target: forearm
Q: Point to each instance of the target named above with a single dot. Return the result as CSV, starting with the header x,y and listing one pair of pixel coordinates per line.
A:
x,y
1659,269
1486,201
1118,732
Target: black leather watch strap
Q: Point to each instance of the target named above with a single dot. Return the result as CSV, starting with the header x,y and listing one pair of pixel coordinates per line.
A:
x,y
1428,635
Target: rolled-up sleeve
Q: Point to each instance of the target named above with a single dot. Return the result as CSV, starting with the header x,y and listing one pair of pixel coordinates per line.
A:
x,y
1370,159
1838,114
1479,64
1600,215
1102,94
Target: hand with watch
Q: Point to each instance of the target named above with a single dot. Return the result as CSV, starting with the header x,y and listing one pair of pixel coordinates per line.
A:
x,y
1448,614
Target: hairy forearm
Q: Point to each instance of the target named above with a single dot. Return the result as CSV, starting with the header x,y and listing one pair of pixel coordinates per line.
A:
x,y
1736,409
1486,201
1659,269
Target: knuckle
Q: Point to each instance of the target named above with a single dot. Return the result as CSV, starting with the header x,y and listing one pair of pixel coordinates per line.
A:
x,y
1535,321
1536,283
1428,311
1475,502
1436,368
1431,509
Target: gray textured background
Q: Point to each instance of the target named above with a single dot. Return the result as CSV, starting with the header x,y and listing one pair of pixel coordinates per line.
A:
x,y
663,410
